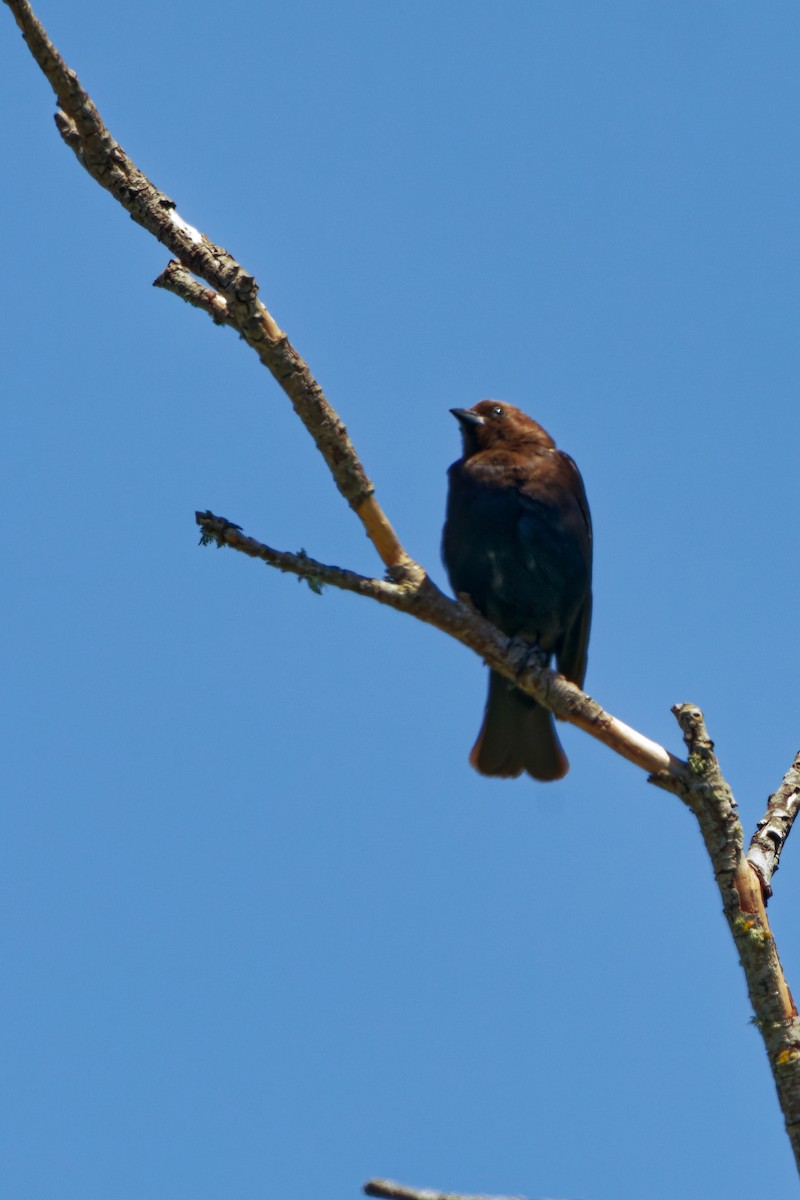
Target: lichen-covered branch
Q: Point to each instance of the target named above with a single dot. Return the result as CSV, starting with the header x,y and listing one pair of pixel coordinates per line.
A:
x,y
775,826
707,793
84,131
222,532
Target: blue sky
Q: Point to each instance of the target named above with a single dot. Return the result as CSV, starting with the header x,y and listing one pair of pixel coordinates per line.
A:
x,y
264,932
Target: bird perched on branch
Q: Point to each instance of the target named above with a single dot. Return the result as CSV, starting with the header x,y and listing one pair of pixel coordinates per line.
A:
x,y
518,541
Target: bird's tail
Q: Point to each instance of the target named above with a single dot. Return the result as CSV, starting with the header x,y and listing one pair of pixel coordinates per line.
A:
x,y
517,735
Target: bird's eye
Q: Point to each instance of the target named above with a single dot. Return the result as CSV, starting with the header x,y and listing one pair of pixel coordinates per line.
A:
x,y
498,411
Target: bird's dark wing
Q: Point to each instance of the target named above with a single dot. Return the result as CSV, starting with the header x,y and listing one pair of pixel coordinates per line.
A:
x,y
573,655
580,494
555,533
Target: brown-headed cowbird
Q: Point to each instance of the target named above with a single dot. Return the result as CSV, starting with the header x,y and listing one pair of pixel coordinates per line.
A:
x,y
518,541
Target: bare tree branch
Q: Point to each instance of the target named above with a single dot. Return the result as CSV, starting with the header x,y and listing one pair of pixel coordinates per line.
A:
x,y
419,596
389,1190
83,130
775,826
711,800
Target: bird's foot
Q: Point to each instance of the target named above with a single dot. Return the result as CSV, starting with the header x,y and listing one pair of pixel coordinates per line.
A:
x,y
532,655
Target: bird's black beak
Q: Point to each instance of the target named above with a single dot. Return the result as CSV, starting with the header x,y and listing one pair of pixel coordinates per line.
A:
x,y
467,418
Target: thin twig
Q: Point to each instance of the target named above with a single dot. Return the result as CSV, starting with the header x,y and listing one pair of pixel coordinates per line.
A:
x,y
775,826
176,279
318,575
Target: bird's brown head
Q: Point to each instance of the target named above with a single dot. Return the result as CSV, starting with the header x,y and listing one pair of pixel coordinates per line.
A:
x,y
490,424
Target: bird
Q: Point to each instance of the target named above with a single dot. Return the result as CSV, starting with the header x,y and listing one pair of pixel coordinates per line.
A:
x,y
517,542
